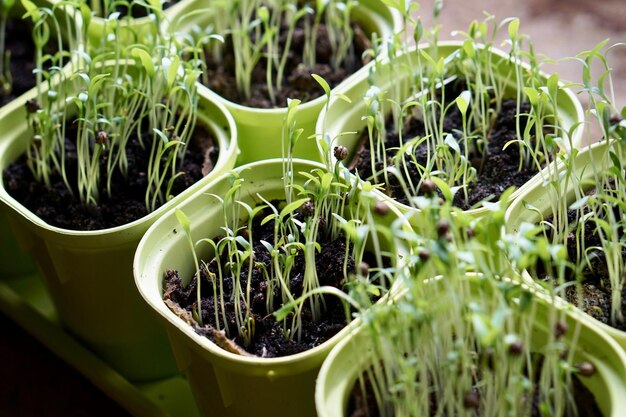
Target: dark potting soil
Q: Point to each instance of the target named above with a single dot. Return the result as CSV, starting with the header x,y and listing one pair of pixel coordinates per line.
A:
x,y
57,206
269,338
298,82
497,171
363,404
22,62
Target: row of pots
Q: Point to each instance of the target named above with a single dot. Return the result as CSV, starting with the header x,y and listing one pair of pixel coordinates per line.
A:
x,y
87,272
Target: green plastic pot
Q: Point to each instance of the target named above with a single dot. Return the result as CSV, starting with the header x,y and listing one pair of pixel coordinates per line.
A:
x,y
225,384
13,260
261,130
89,273
351,356
131,30
342,122
539,197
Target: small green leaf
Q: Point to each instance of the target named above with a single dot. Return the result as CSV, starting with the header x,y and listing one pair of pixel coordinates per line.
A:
x,y
553,84
463,100
31,10
183,220
95,84
514,29
172,71
264,14
146,60
532,94
445,189
290,208
322,82
283,312
162,135
452,143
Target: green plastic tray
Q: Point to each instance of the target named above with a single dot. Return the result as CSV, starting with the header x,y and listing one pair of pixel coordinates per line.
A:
x,y
26,302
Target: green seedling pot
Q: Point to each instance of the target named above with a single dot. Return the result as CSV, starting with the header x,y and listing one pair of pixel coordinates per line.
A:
x,y
89,273
341,369
341,123
535,204
261,130
225,384
13,260
131,30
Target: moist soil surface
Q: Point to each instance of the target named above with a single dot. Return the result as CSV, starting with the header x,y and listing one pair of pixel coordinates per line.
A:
x,y
269,337
298,82
57,206
20,44
362,404
496,171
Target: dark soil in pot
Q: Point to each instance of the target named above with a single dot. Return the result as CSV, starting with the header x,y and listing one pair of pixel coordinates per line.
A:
x,y
362,401
58,206
496,171
269,336
298,82
19,42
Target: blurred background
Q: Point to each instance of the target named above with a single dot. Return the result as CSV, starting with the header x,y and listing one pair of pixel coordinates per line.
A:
x,y
34,383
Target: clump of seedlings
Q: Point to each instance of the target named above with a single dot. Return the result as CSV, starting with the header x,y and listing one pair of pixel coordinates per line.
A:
x,y
107,130
474,119
271,48
587,209
278,277
467,345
